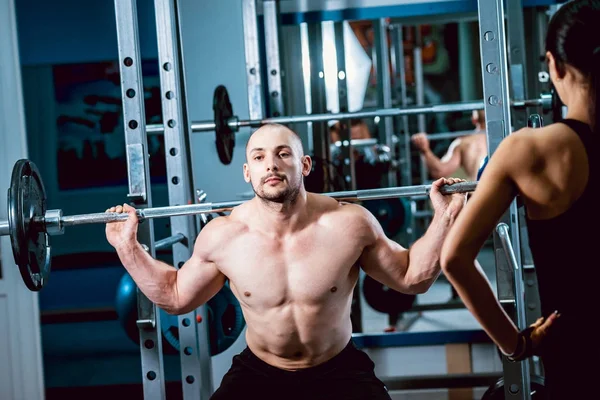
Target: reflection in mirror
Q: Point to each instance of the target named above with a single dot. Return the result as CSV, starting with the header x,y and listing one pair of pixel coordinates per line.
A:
x,y
427,64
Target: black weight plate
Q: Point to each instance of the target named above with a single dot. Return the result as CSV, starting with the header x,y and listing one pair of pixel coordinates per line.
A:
x,y
224,135
26,201
225,318
496,390
393,214
385,299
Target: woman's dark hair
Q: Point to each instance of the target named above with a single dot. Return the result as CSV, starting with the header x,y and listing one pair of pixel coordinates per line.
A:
x,y
573,38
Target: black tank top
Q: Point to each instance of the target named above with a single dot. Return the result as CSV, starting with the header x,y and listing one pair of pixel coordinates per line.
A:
x,y
565,248
565,254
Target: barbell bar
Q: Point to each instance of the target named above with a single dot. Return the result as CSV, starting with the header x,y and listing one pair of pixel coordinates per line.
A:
x,y
226,123
356,143
169,241
55,225
451,135
534,121
235,123
29,223
4,228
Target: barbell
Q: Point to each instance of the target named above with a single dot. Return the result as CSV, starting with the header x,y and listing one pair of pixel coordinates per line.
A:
x,y
29,223
225,123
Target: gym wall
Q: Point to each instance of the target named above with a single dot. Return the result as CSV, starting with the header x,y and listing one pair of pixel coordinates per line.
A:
x,y
47,40
53,34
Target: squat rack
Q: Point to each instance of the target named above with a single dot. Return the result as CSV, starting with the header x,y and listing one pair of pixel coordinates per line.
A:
x,y
196,371
195,349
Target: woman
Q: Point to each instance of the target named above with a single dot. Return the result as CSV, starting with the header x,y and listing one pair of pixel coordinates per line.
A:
x,y
554,170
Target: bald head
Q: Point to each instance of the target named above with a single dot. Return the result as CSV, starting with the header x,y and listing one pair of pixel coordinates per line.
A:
x,y
275,164
274,135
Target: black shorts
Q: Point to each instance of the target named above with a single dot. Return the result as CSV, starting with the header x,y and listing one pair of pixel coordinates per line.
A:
x,y
347,376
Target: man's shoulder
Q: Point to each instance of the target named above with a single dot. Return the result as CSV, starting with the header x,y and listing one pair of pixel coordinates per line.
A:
x,y
476,137
328,204
216,234
340,210
224,225
480,136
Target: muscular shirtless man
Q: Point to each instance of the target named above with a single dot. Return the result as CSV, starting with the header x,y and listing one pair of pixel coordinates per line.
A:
x,y
466,152
292,259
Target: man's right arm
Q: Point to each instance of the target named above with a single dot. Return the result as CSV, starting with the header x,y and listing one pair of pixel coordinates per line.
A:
x,y
438,168
444,167
178,291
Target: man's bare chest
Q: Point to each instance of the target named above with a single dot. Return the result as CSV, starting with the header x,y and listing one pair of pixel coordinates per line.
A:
x,y
305,269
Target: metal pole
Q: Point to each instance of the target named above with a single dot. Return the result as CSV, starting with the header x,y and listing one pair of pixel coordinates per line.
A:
x,y
134,119
498,126
306,81
401,191
235,124
404,147
4,228
253,71
451,135
516,57
347,155
419,77
420,94
389,112
384,83
357,143
509,253
539,78
169,241
318,101
272,50
196,366
405,163
519,70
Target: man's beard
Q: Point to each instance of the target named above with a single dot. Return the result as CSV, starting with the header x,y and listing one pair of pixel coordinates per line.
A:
x,y
285,196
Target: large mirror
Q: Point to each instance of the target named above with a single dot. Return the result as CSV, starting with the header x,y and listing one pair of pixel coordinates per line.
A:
x,y
391,63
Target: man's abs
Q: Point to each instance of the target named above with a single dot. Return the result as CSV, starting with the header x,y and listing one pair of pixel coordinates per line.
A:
x,y
295,336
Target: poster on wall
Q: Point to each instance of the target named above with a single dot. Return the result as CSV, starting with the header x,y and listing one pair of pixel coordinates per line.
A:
x,y
89,121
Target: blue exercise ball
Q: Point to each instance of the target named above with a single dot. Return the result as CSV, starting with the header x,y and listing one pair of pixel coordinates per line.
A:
x,y
126,307
225,318
127,312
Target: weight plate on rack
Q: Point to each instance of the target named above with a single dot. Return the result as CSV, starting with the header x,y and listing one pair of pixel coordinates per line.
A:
x,y
26,202
225,137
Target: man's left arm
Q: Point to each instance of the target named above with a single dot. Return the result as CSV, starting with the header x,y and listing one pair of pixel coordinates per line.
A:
x,y
411,270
